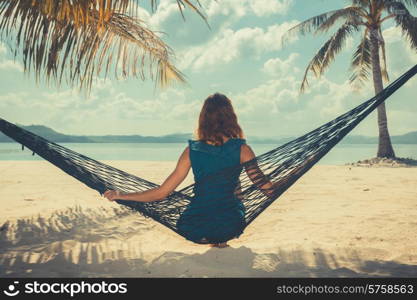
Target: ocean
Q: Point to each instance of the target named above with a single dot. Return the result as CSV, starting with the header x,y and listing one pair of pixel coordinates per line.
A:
x,y
341,154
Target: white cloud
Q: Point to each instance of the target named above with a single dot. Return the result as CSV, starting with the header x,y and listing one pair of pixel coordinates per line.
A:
x,y
106,111
273,108
10,65
166,9
229,45
277,104
274,96
392,34
279,67
220,15
242,8
400,56
269,7
155,20
7,64
3,49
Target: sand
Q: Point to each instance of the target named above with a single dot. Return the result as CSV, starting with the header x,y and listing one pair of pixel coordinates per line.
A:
x,y
336,221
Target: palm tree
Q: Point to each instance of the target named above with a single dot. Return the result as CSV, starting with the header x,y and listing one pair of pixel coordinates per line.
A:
x,y
76,40
365,17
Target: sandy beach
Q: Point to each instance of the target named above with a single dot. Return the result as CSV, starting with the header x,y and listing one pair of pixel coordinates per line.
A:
x,y
336,221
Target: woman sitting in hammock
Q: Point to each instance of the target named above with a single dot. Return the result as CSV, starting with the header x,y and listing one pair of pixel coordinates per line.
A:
x,y
215,214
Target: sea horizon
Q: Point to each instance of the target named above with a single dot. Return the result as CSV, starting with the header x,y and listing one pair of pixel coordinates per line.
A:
x,y
340,154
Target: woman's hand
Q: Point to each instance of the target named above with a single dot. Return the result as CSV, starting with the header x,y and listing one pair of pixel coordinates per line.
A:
x,y
112,195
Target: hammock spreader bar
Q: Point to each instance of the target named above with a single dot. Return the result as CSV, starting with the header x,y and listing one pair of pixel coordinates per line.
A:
x,y
283,166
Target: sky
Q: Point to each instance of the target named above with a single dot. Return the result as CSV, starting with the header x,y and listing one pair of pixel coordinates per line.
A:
x,y
240,55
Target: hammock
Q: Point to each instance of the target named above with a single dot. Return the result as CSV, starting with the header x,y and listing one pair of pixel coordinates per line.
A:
x,y
283,166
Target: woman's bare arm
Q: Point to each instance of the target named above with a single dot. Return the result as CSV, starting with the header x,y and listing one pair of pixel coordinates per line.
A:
x,y
254,172
161,192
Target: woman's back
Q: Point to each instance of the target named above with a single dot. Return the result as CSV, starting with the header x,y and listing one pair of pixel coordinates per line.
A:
x,y
215,212
207,159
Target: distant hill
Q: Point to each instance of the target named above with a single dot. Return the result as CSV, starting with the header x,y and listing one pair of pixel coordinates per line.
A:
x,y
408,138
57,137
50,134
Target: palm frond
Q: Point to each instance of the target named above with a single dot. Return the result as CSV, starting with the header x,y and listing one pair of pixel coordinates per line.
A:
x,y
361,3
77,53
76,40
327,53
182,4
410,3
314,23
406,21
352,14
361,65
76,11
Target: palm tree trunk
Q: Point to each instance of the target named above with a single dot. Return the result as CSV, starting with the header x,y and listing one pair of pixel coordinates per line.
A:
x,y
384,143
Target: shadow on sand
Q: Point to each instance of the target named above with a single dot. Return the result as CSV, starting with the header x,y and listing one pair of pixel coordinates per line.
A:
x,y
85,243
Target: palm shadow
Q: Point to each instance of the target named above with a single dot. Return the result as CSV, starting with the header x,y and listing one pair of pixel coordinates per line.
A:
x,y
243,262
92,243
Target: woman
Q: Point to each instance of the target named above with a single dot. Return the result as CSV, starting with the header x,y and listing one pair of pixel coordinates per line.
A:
x,y
215,213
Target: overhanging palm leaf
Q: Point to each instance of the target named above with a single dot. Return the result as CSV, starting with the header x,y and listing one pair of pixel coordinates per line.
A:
x,y
350,14
182,4
410,3
322,22
326,55
76,40
406,21
361,3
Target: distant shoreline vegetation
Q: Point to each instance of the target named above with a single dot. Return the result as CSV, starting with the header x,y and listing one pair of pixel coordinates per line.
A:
x,y
52,135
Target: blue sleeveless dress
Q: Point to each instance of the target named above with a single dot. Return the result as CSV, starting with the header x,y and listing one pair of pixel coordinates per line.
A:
x,y
215,214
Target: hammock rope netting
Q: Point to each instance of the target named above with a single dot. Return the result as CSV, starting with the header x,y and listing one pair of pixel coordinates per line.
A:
x,y
282,166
